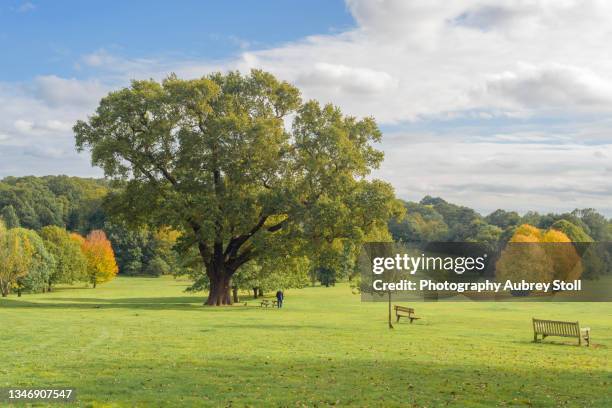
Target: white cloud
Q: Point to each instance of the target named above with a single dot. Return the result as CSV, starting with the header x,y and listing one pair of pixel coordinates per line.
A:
x,y
549,87
514,97
487,176
58,91
347,80
23,126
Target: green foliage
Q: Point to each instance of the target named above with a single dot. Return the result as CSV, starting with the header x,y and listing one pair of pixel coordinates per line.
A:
x,y
461,220
40,262
212,158
8,214
134,247
422,223
157,267
270,275
326,276
137,248
575,233
597,226
70,262
70,202
503,219
12,254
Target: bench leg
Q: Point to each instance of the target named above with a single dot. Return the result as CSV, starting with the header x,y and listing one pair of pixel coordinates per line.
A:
x,y
398,316
535,337
411,319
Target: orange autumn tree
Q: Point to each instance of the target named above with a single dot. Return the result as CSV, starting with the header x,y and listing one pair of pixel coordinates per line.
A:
x,y
101,264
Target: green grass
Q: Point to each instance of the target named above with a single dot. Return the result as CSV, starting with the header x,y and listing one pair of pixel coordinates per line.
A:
x,y
139,342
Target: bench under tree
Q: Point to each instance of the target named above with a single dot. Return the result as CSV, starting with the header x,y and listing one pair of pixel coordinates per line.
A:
x,y
401,311
547,328
267,303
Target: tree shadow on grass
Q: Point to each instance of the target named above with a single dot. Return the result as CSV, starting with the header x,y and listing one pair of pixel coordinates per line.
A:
x,y
559,342
152,303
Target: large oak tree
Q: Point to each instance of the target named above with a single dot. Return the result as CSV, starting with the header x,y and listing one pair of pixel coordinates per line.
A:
x,y
240,165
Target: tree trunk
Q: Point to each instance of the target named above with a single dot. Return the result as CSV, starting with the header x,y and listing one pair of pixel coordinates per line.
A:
x,y
235,294
95,282
18,292
260,292
254,293
219,293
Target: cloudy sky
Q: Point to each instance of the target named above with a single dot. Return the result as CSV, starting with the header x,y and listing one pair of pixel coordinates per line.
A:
x,y
486,103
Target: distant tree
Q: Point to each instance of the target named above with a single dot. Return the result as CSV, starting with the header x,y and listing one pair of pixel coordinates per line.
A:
x,y
64,201
326,276
598,226
166,239
503,219
213,158
70,261
460,220
14,256
575,233
531,218
524,258
134,247
158,267
101,264
40,262
486,234
422,223
8,214
537,255
270,275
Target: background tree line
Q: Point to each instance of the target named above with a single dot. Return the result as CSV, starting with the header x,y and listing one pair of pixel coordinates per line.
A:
x,y
76,204
434,219
48,213
34,261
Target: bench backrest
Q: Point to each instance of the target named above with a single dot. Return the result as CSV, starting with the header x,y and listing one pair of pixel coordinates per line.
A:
x,y
408,310
556,328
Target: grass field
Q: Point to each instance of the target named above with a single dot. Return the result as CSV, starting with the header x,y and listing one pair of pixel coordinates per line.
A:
x,y
139,342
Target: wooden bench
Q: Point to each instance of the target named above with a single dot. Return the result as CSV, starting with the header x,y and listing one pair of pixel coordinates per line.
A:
x,y
267,303
401,311
547,328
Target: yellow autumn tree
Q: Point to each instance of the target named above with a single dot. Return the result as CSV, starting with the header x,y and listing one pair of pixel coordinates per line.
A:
x,y
15,258
537,255
559,247
524,259
101,264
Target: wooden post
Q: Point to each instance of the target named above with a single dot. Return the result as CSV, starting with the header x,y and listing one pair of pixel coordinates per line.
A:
x,y
390,324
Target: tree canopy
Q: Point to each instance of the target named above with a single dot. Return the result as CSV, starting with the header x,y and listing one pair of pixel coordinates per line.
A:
x,y
216,159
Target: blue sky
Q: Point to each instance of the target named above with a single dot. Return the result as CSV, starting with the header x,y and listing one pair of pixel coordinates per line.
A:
x,y
487,103
46,37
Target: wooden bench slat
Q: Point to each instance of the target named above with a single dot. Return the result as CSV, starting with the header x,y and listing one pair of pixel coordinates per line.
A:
x,y
402,311
559,328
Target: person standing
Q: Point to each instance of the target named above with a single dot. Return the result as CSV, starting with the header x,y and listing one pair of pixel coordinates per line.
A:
x,y
280,296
